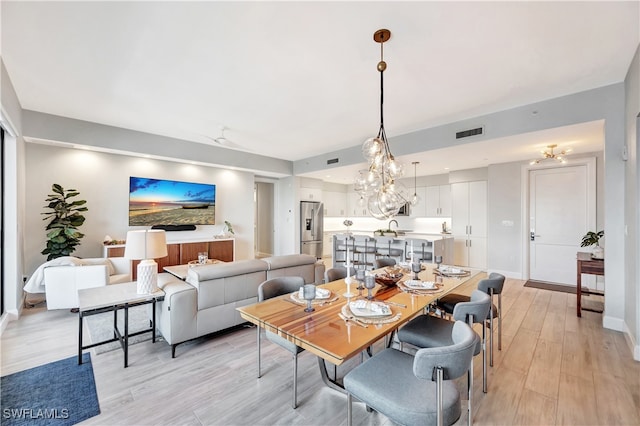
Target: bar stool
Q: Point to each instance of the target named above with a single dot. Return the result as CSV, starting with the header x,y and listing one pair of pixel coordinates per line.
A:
x,y
340,244
385,248
420,247
364,249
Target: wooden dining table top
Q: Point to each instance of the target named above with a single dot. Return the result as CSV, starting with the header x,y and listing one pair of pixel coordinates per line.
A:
x,y
323,333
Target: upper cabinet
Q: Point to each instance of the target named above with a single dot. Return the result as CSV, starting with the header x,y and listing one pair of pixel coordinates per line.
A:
x,y
438,201
356,208
335,203
310,194
419,209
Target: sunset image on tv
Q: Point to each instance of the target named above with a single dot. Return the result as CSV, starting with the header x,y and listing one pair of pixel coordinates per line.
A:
x,y
169,202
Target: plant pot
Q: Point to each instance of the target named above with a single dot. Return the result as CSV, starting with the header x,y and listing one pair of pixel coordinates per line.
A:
x,y
597,252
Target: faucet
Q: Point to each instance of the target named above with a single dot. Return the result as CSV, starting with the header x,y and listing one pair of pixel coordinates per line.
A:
x,y
390,222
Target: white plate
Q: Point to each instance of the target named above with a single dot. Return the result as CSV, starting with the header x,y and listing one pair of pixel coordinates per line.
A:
x,y
320,295
366,311
420,285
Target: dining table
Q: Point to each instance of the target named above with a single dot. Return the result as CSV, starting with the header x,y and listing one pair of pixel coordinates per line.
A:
x,y
332,332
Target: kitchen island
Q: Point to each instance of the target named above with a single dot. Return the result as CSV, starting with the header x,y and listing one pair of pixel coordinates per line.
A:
x,y
364,248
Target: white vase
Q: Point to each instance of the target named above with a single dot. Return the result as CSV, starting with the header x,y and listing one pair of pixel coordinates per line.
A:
x,y
597,252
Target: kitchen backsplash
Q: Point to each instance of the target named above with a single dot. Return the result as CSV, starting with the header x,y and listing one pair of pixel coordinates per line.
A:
x,y
424,225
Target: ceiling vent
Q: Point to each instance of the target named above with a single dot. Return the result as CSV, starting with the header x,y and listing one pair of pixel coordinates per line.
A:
x,y
333,161
470,132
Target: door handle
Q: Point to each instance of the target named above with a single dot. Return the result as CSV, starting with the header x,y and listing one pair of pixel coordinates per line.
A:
x,y
533,236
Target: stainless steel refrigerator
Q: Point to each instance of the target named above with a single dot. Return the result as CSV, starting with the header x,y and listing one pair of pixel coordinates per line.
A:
x,y
311,223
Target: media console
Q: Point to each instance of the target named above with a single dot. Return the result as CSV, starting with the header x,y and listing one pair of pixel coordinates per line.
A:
x,y
181,252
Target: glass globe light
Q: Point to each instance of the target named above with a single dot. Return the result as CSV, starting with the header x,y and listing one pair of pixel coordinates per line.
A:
x,y
415,199
371,148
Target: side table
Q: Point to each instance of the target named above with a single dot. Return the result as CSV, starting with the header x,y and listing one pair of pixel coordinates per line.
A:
x,y
587,265
112,298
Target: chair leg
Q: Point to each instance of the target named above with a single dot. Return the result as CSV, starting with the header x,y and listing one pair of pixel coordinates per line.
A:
x,y
259,369
470,390
491,338
295,381
500,321
349,408
484,358
439,380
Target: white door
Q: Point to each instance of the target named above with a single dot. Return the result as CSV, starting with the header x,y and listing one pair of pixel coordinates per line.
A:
x,y
560,213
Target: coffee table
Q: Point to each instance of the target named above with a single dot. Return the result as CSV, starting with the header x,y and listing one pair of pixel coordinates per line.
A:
x,y
112,298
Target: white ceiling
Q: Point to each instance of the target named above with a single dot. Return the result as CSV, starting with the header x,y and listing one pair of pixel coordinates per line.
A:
x,y
296,79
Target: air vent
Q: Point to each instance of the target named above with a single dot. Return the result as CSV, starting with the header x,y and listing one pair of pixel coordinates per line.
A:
x,y
470,132
333,161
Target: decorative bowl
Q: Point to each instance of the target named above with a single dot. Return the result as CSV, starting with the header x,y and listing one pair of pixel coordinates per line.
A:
x,y
387,279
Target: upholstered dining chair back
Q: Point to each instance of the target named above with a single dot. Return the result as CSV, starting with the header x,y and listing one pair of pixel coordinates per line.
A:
x,y
279,286
273,288
454,360
338,273
401,386
493,284
477,308
384,261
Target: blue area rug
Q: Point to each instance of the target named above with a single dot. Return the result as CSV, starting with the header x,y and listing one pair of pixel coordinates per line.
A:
x,y
58,393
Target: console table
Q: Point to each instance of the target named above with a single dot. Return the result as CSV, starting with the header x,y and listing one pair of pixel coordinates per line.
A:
x,y
587,265
181,252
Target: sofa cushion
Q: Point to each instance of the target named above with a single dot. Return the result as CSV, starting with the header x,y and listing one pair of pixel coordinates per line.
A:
x,y
287,261
221,270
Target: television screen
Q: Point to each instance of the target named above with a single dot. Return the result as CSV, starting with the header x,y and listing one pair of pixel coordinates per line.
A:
x,y
170,202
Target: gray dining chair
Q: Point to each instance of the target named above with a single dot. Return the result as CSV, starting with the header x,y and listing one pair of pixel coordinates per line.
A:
x,y
493,286
428,331
412,390
384,261
273,288
338,273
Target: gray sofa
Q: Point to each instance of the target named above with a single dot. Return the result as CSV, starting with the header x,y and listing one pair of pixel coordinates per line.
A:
x,y
206,301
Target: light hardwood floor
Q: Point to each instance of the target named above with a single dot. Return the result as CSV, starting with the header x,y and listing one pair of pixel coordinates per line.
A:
x,y
554,368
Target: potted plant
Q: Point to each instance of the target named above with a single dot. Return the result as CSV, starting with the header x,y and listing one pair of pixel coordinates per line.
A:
x,y
593,239
62,230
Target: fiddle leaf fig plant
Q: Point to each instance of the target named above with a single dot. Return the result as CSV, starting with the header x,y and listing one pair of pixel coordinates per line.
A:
x,y
64,220
592,239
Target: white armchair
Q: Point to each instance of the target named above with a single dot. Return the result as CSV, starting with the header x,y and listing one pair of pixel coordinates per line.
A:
x,y
63,282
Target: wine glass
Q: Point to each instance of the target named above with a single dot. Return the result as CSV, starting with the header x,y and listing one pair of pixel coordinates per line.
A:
x,y
415,268
438,261
309,293
360,274
369,283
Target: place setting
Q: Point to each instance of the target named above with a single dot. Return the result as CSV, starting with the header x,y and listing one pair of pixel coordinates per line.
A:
x,y
311,295
364,310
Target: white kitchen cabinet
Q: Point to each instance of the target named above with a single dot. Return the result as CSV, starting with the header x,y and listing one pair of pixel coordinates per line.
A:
x,y
438,201
355,209
310,194
327,244
469,223
335,203
419,209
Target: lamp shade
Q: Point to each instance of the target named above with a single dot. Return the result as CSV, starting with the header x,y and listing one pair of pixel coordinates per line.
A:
x,y
147,244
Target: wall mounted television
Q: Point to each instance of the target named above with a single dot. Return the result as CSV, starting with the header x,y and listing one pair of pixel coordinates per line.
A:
x,y
169,202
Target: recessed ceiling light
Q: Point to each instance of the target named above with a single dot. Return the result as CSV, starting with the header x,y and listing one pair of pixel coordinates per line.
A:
x,y
446,168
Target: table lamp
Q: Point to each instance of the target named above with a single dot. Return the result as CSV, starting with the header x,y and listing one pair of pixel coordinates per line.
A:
x,y
146,246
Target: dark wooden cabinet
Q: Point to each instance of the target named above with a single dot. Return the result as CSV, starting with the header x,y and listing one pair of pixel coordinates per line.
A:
x,y
180,253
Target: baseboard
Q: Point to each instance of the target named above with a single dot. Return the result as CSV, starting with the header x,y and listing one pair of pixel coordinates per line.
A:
x,y
508,274
634,347
5,319
616,324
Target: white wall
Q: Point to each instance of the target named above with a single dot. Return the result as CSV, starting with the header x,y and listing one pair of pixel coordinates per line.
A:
x,y
103,180
632,205
13,203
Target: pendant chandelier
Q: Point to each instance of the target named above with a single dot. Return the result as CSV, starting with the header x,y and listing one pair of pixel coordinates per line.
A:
x,y
415,199
550,155
378,185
